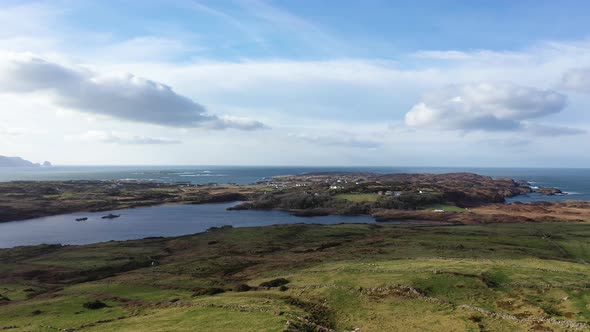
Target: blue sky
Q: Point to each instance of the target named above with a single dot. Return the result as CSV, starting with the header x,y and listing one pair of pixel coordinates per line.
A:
x,y
376,29
458,83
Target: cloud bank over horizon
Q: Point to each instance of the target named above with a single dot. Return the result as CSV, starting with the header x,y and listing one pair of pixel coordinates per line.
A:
x,y
119,138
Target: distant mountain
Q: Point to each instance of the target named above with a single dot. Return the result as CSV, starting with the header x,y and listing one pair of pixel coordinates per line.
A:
x,y
19,162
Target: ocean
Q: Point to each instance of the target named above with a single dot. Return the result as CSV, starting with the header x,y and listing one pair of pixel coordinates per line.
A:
x,y
575,182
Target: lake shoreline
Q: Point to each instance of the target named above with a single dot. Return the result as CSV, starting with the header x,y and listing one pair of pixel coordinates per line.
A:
x,y
166,220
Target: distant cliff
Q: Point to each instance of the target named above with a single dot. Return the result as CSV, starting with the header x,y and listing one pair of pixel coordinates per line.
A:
x,y
19,162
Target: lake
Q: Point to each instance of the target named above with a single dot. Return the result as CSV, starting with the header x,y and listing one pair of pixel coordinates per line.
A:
x,y
138,223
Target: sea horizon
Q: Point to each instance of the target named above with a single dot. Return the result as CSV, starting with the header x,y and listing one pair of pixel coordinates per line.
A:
x,y
291,166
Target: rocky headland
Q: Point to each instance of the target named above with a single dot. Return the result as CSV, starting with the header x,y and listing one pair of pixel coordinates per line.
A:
x,y
20,162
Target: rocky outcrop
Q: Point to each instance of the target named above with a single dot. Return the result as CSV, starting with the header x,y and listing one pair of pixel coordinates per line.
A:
x,y
548,191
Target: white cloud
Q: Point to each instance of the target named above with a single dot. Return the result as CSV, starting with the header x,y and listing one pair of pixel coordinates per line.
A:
x,y
29,26
342,140
12,132
510,143
477,56
143,48
549,130
126,97
27,19
237,123
577,80
483,106
119,138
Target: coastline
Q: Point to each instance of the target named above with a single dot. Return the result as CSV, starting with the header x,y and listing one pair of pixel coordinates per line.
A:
x,y
463,198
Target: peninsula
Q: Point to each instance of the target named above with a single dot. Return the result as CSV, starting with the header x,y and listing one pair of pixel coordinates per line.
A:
x,y
20,162
460,198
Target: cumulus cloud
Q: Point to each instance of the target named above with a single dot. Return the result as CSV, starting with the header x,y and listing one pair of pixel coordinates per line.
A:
x,y
577,80
237,123
126,97
343,140
483,106
118,138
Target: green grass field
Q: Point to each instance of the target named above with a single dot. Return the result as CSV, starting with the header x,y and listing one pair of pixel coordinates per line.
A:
x,y
445,207
498,277
359,197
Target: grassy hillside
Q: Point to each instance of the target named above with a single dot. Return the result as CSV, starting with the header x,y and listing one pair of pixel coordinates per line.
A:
x,y
510,277
372,197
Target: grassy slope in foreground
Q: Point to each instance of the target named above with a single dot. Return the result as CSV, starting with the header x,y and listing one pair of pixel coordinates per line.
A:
x,y
503,277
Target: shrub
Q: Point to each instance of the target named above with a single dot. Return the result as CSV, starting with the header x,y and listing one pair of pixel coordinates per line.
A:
x,y
207,291
329,245
275,283
392,203
242,288
93,305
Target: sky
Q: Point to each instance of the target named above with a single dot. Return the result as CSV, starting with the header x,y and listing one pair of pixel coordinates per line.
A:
x,y
296,82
